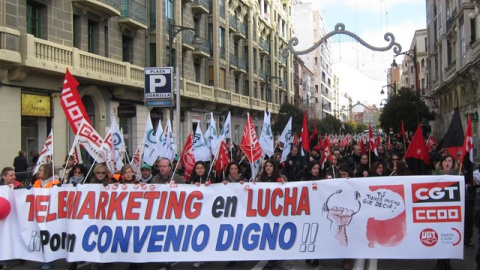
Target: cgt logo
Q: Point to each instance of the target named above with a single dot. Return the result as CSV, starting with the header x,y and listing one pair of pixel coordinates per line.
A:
x,y
436,192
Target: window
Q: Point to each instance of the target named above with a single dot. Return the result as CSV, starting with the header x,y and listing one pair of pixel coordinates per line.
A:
x,y
127,49
222,78
169,12
105,34
221,42
34,19
198,70
246,88
76,31
153,54
92,36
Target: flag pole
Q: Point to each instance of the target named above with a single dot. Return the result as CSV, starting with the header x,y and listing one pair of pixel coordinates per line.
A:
x,y
89,170
53,153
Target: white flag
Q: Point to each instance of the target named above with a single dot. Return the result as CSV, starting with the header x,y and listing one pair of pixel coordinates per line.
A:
x,y
211,135
266,137
47,151
227,128
200,148
118,145
286,138
170,141
91,141
150,152
161,143
108,149
135,162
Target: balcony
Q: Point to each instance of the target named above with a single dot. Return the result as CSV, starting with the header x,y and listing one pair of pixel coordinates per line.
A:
x,y
240,100
257,104
282,60
197,91
242,31
187,40
200,6
103,8
134,15
202,50
264,46
47,56
9,46
261,74
233,61
242,65
233,23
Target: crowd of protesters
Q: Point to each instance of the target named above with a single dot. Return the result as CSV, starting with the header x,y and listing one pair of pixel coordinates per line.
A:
x,y
349,161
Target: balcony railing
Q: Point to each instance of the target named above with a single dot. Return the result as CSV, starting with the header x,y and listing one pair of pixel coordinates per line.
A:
x,y
221,8
233,60
233,23
202,6
242,64
135,10
242,29
110,8
46,55
202,49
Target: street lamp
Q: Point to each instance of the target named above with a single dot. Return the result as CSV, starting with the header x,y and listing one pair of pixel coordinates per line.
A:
x,y
172,32
394,87
268,82
413,55
384,102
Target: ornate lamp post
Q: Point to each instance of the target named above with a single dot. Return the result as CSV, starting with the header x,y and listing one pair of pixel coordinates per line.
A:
x,y
413,55
394,88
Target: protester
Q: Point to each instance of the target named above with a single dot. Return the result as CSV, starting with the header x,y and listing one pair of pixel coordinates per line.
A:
x,y
165,173
8,178
312,172
67,167
331,171
271,173
362,168
345,171
292,167
20,164
354,160
199,175
233,174
146,173
100,173
400,168
446,167
376,169
46,180
127,176
76,174
34,155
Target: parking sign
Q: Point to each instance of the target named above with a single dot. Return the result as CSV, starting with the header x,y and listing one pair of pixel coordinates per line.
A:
x,y
159,86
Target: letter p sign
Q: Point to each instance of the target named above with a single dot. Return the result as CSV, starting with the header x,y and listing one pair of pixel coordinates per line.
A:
x,y
157,81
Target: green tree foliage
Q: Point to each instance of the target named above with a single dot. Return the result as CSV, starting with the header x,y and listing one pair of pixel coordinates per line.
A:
x,y
403,106
288,110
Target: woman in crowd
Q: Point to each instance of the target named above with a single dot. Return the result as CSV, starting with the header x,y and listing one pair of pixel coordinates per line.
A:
x,y
391,162
100,175
271,173
233,174
76,175
67,168
400,168
362,168
332,170
312,172
446,166
199,175
376,170
127,176
46,180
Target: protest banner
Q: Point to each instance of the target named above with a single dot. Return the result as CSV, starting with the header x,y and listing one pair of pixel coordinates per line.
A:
x,y
414,217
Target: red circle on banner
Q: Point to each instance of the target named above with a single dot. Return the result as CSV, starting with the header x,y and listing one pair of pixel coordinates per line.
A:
x,y
5,208
429,237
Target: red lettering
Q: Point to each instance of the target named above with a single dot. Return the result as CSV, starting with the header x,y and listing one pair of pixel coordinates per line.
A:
x,y
102,203
196,206
72,204
175,204
290,201
276,210
31,199
62,204
150,196
161,205
115,205
303,203
132,204
250,211
88,206
263,207
41,207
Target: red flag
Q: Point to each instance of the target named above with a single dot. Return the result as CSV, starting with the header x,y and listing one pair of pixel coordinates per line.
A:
x,y
72,103
468,142
372,145
389,143
344,142
454,137
431,141
305,137
362,146
187,158
327,153
296,140
249,144
402,130
417,155
222,158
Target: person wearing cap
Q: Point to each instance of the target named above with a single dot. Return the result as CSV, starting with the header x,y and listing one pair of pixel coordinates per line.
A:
x,y
165,173
315,154
146,173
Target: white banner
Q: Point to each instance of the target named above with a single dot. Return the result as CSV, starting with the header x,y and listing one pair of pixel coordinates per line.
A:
x,y
415,217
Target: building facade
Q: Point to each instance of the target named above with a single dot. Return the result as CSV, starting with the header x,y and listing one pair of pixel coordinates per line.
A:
x,y
106,44
453,62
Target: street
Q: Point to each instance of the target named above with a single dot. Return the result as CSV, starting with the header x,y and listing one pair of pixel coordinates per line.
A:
x,y
468,263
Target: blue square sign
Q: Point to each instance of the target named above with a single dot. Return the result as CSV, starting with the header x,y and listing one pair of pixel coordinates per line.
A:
x,y
159,86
